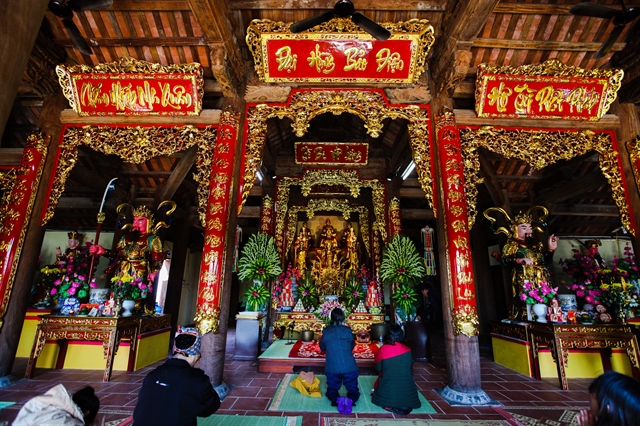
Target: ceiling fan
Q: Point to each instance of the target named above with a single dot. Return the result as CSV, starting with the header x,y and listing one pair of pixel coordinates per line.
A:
x,y
343,9
620,18
65,10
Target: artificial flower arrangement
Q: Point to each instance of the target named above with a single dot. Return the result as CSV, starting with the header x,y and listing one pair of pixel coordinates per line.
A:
x,y
323,312
259,260
308,293
543,293
353,293
625,266
255,297
406,300
587,273
128,287
401,263
74,285
620,297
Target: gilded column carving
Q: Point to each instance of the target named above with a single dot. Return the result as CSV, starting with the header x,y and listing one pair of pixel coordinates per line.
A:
x,y
395,224
218,211
266,216
460,266
18,187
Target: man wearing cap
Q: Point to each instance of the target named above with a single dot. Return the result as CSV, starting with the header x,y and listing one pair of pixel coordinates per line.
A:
x,y
176,393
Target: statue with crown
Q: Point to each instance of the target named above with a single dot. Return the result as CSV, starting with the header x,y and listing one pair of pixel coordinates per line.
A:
x,y
138,256
530,260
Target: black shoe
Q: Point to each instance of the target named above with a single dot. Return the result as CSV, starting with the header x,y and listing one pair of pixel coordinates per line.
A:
x,y
334,404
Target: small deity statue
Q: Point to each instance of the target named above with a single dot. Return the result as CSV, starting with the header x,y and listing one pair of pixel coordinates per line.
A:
x,y
302,244
329,240
139,252
350,242
73,252
109,306
530,261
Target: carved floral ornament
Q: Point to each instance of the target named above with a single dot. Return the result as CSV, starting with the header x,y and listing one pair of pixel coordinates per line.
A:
x,y
134,145
539,149
332,205
369,105
634,152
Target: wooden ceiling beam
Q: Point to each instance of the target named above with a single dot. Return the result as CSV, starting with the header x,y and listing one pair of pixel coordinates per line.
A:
x,y
497,43
250,212
495,189
541,8
168,190
11,156
412,193
217,22
451,56
412,214
469,118
574,188
140,42
391,5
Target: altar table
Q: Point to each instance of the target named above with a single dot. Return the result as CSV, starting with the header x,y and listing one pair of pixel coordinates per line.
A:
x,y
562,337
307,321
109,330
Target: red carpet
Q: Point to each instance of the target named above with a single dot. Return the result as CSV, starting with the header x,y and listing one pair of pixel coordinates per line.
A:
x,y
312,350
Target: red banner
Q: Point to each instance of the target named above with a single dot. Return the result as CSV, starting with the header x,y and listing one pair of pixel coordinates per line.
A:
x,y
332,153
216,234
579,97
395,223
131,87
456,217
15,214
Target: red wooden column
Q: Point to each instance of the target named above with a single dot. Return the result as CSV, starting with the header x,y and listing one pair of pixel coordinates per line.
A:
x,y
266,215
219,209
22,182
463,357
395,223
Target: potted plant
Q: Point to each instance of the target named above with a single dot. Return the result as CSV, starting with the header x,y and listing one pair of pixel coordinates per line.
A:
x,y
402,265
323,313
128,288
308,294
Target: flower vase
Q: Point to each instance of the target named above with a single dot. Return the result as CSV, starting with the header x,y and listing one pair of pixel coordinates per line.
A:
x,y
529,313
540,310
127,306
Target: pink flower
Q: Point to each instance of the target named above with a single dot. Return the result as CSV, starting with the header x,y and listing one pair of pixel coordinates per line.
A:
x,y
71,291
53,291
580,293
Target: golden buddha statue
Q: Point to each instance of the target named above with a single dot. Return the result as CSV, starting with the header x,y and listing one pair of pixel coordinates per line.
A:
x,y
302,244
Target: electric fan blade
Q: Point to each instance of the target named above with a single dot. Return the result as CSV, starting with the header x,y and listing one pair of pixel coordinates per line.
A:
x,y
377,31
308,23
80,5
594,10
60,9
606,46
76,37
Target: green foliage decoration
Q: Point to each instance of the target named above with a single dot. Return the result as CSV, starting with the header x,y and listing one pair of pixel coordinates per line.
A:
x,y
255,297
259,260
401,263
406,299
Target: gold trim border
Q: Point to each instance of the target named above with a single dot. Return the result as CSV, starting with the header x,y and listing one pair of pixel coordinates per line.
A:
x,y
541,148
369,105
134,145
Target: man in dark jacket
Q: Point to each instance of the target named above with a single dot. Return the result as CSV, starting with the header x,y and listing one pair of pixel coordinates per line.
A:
x,y
176,393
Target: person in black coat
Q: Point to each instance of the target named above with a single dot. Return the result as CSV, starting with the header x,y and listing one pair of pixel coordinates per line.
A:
x,y
177,393
340,366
